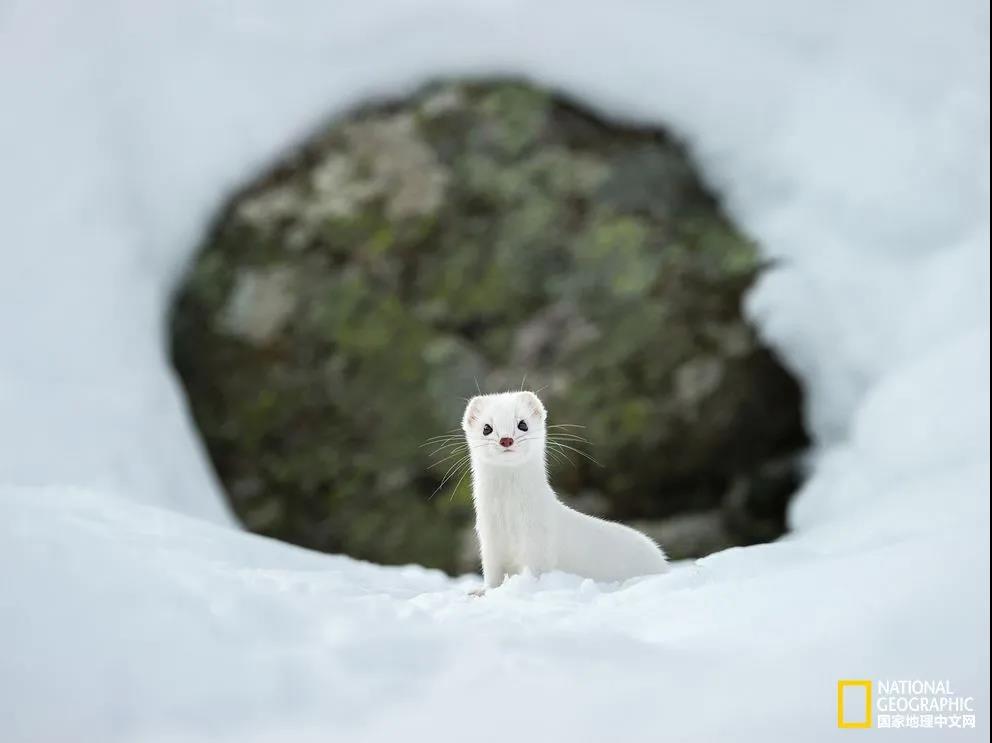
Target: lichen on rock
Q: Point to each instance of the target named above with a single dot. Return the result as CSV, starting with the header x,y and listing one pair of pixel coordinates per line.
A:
x,y
347,302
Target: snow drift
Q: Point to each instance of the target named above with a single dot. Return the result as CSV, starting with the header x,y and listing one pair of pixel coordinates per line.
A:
x,y
843,136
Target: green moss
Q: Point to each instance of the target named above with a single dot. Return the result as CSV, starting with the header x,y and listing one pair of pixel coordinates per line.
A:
x,y
516,116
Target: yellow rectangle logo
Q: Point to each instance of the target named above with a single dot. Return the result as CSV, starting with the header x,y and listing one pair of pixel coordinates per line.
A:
x,y
854,703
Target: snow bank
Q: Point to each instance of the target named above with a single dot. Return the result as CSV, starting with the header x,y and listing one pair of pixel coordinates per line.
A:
x,y
842,135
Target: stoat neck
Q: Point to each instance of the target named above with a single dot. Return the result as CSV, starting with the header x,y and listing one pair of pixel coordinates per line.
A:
x,y
530,476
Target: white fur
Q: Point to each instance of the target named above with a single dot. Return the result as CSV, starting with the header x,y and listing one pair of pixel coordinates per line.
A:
x,y
519,519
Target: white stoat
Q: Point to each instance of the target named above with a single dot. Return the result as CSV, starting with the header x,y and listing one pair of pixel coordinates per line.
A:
x,y
519,519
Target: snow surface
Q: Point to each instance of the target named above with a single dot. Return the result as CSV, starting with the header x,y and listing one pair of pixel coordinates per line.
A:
x,y
850,138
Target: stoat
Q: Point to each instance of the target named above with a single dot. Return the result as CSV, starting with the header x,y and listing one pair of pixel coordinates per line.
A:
x,y
519,519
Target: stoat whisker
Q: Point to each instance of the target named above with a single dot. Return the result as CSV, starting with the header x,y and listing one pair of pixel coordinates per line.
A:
x,y
463,448
441,447
446,437
457,446
453,466
562,453
468,468
452,430
562,435
553,441
448,474
453,454
557,457
559,438
579,452
447,431
440,439
456,443
453,469
572,442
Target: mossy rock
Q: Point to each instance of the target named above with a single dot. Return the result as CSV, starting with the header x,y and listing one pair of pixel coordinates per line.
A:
x,y
347,302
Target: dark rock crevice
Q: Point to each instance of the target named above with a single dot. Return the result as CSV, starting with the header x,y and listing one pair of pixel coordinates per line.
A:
x,y
346,302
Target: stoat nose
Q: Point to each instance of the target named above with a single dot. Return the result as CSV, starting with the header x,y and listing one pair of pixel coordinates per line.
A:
x,y
506,442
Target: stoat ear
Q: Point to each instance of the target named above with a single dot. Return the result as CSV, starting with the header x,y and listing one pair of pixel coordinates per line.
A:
x,y
535,404
472,412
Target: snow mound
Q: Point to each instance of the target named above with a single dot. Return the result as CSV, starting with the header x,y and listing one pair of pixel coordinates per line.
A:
x,y
841,135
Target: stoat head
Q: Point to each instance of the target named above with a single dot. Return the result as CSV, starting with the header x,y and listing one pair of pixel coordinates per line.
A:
x,y
506,428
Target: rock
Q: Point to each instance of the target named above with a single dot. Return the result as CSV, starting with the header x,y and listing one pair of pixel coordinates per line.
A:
x,y
468,559
260,303
755,504
488,233
689,535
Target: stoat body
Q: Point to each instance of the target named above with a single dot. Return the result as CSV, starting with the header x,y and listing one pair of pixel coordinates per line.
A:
x,y
520,522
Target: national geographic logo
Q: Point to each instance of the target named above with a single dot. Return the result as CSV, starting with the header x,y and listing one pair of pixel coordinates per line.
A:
x,y
903,703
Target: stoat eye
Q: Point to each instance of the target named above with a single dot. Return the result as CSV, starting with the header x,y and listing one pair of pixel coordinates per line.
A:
x,y
487,429
522,425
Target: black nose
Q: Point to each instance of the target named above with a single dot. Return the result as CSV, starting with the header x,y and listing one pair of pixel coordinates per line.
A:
x,y
506,442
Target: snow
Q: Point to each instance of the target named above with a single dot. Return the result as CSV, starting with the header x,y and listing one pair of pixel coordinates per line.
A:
x,y
850,138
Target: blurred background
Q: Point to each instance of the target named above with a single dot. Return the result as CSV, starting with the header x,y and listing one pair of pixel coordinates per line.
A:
x,y
483,234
